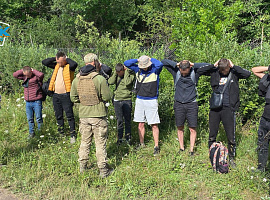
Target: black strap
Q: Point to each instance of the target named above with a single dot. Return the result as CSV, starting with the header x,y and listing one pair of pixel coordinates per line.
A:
x,y
227,83
117,84
39,88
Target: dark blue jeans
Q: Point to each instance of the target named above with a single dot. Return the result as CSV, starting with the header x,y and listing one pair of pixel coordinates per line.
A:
x,y
62,102
123,111
34,107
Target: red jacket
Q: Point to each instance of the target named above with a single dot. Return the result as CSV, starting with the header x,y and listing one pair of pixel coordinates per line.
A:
x,y
32,92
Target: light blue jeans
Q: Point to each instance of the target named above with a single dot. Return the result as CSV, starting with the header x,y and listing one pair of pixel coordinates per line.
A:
x,y
34,107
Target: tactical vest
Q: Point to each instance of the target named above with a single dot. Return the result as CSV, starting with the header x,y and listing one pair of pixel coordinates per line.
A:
x,y
87,91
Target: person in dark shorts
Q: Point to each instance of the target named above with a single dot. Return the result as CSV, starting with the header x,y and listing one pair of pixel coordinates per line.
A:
x,y
222,72
185,104
264,127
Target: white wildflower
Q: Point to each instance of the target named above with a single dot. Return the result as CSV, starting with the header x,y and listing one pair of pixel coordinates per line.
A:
x,y
13,115
44,115
264,179
0,86
182,165
64,142
47,129
114,127
251,177
42,136
176,139
252,168
22,97
19,105
6,131
111,117
107,104
17,100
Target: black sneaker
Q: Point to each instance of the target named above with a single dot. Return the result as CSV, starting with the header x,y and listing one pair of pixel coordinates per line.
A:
x,y
156,151
181,151
191,153
140,146
119,142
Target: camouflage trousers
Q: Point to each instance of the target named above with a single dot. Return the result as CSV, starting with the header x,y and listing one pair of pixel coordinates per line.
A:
x,y
98,128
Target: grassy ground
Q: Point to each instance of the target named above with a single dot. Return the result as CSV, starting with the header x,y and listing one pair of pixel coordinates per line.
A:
x,y
47,168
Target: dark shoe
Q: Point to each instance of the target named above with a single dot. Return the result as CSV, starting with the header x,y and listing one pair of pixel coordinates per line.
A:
x,y
191,153
105,172
83,167
73,139
61,132
181,151
119,142
232,163
31,136
140,146
259,170
156,151
128,138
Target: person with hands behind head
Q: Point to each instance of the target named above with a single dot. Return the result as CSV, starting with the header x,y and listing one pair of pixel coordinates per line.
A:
x,y
123,79
185,103
263,141
146,107
224,80
32,79
60,85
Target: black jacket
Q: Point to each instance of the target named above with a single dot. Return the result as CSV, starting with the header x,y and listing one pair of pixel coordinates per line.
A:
x,y
237,73
185,90
51,63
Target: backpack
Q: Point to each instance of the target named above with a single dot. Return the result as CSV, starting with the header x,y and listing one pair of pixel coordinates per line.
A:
x,y
218,155
43,87
178,76
263,85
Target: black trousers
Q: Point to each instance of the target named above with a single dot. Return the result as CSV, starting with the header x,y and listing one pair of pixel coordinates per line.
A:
x,y
227,116
62,102
264,127
123,112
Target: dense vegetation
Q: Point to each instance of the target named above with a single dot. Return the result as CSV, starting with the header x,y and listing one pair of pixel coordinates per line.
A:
x,y
201,31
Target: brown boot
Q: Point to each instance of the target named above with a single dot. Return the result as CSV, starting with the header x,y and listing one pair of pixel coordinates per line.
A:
x,y
83,167
105,172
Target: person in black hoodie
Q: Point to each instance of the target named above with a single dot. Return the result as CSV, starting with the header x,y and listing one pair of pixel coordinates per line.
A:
x,y
185,104
219,73
264,127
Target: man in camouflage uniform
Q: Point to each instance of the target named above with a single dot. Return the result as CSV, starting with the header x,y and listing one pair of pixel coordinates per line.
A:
x,y
91,90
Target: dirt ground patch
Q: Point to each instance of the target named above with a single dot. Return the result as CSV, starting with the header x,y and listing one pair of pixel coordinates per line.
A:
x,y
7,195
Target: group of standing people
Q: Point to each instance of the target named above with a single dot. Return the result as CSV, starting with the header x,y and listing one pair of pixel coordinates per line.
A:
x,y
90,89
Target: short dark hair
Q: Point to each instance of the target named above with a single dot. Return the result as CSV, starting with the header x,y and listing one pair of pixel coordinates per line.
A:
x,y
119,67
184,64
27,69
223,63
60,54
